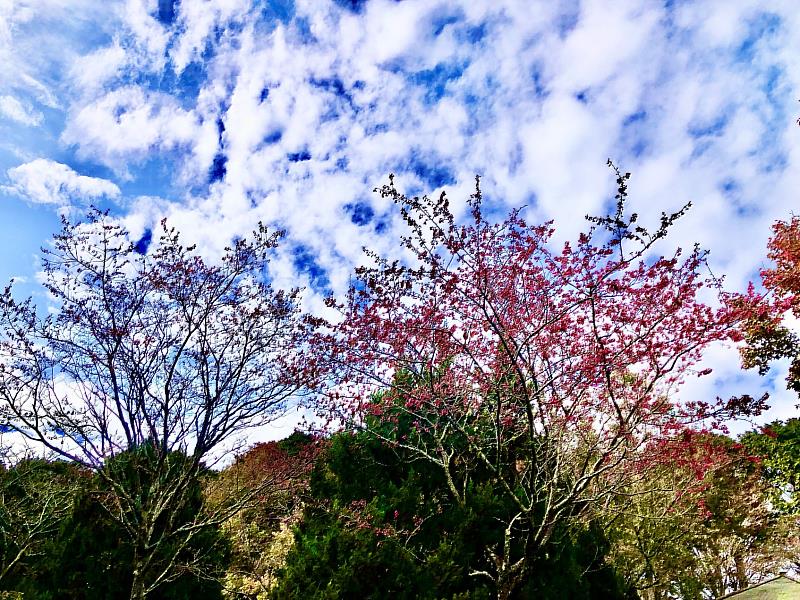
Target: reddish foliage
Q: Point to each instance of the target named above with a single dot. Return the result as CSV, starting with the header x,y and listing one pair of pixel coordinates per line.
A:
x,y
274,466
767,338
585,337
553,369
784,250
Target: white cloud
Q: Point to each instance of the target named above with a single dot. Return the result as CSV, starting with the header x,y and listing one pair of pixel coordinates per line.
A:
x,y
199,21
13,109
94,70
124,125
319,106
48,182
139,18
551,145
40,38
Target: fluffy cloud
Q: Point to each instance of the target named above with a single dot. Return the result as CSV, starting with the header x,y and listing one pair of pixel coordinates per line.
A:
x,y
291,112
13,109
48,182
125,125
40,38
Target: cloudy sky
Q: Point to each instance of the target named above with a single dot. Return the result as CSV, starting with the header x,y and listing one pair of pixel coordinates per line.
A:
x,y
220,113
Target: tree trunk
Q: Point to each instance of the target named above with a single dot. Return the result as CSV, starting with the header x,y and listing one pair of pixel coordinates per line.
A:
x,y
508,578
742,580
504,590
506,584
138,590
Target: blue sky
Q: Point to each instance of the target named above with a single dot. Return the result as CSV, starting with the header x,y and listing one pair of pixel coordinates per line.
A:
x,y
220,113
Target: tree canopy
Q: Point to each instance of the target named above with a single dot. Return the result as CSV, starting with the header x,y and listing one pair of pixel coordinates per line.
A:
x,y
553,370
156,353
504,418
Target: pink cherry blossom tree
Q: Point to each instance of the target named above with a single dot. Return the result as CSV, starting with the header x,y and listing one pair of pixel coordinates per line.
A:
x,y
553,369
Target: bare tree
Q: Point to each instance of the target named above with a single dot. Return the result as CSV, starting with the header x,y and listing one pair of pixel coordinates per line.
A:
x,y
152,348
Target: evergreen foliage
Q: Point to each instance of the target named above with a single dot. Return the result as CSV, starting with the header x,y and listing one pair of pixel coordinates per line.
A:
x,y
381,524
89,554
